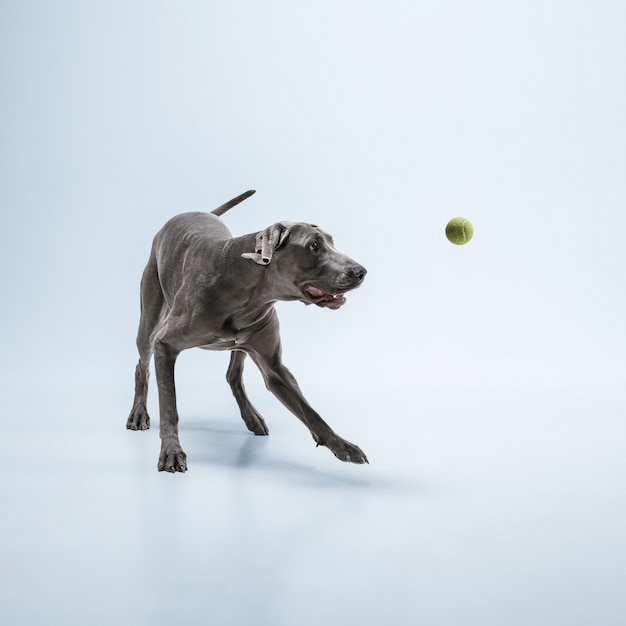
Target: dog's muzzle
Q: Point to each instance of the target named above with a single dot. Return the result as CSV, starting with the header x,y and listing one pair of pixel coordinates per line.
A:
x,y
335,298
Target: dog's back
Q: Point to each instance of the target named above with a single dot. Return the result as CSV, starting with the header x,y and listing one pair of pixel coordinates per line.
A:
x,y
187,235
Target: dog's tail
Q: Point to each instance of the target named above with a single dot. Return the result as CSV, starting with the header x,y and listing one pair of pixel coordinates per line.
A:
x,y
231,203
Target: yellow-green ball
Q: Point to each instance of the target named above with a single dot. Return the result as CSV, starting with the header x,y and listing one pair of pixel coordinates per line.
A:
x,y
459,231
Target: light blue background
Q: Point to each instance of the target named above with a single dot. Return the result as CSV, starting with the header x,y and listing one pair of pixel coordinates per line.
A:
x,y
485,382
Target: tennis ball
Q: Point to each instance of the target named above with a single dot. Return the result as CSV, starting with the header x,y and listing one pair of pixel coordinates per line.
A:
x,y
459,230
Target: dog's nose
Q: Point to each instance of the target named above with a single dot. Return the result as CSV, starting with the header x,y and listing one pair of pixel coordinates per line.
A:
x,y
358,271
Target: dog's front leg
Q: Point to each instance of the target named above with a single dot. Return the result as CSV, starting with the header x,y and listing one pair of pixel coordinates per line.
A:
x,y
172,457
266,353
282,384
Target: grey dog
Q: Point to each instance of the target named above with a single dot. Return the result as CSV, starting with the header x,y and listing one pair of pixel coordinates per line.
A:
x,y
204,288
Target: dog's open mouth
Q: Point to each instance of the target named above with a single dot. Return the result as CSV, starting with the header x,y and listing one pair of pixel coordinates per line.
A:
x,y
322,298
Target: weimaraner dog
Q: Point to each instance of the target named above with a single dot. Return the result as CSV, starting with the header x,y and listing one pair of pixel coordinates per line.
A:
x,y
204,288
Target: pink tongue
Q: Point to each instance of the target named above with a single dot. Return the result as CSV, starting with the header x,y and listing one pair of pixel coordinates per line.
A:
x,y
315,292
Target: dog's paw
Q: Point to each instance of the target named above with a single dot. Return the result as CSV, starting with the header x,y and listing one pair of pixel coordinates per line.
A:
x,y
138,418
345,451
172,459
255,422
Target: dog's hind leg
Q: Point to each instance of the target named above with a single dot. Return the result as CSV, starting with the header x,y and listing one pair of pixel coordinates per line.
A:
x,y
234,376
152,310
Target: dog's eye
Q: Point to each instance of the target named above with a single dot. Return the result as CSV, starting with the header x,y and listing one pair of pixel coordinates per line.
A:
x,y
314,246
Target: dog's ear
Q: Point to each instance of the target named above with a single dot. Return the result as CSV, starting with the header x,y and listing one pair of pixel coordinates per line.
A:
x,y
267,241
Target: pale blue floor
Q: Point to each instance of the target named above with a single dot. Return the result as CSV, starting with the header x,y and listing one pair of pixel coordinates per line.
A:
x,y
498,510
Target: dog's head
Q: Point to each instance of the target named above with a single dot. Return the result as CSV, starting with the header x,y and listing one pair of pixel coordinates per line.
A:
x,y
309,268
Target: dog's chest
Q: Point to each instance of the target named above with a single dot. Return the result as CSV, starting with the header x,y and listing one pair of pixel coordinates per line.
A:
x,y
229,337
